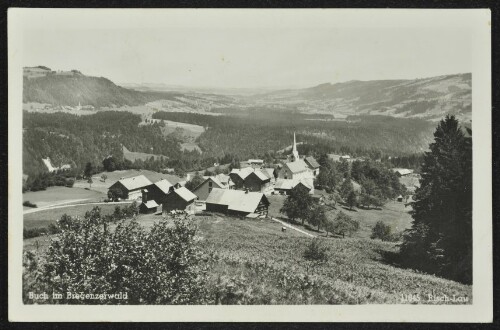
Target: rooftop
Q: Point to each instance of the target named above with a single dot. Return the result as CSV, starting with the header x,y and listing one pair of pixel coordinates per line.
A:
x,y
135,182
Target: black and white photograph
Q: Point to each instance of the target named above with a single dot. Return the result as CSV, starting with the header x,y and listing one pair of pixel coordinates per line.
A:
x,y
288,159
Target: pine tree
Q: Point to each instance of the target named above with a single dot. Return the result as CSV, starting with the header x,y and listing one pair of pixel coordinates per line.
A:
x,y
440,240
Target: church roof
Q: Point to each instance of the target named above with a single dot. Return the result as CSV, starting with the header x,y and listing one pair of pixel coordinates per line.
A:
x,y
297,166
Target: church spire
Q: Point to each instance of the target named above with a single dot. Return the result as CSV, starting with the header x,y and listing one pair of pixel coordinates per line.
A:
x,y
295,153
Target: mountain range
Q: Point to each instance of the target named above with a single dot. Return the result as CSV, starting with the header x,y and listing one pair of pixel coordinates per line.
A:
x,y
428,98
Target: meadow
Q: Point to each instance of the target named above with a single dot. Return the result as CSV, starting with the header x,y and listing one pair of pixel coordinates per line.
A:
x,y
260,264
393,213
61,195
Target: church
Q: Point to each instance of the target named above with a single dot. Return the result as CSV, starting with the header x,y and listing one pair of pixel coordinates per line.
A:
x,y
297,168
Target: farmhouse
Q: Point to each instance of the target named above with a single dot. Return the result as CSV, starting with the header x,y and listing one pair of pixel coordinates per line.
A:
x,y
130,188
159,190
402,171
252,179
205,188
284,186
179,199
237,202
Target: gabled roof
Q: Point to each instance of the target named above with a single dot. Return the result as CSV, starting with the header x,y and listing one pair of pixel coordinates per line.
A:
x,y
135,182
213,179
260,175
150,204
297,166
243,172
402,171
285,184
185,194
288,184
269,171
236,200
311,162
164,185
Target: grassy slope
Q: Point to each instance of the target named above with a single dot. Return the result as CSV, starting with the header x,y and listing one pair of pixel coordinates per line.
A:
x,y
60,195
394,214
264,265
267,267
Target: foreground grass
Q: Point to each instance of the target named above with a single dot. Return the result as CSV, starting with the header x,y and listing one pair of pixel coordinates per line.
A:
x,y
254,262
265,266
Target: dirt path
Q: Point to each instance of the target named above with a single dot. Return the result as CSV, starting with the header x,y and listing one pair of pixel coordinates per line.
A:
x,y
292,227
70,205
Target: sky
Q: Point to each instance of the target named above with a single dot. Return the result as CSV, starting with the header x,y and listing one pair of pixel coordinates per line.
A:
x,y
251,49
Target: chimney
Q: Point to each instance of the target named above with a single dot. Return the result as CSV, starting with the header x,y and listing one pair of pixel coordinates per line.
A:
x,y
144,195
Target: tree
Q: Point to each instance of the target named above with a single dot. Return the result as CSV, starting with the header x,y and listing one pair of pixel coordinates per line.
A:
x,y
104,177
195,181
317,216
110,164
381,231
440,240
346,188
344,224
90,181
352,199
89,170
298,204
329,226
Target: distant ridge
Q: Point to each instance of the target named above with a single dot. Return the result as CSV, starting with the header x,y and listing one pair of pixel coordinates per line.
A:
x,y
426,98
71,90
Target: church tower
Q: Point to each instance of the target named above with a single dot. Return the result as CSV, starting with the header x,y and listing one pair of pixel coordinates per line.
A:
x,y
295,153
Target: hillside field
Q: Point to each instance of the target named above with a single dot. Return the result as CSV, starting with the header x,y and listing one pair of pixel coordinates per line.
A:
x,y
61,195
260,264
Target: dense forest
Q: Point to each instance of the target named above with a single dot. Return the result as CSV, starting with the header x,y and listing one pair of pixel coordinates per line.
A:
x,y
255,133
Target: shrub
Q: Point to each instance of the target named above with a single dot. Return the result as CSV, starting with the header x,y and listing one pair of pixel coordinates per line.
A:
x,y
315,251
29,204
160,266
34,232
381,231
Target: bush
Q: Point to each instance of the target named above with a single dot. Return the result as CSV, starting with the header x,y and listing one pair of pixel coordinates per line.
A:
x,y
29,204
160,266
316,251
34,232
381,231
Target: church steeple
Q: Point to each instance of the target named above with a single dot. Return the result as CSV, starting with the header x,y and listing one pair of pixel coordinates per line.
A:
x,y
295,153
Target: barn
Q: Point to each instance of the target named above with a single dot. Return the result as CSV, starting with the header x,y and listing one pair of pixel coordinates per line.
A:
x,y
179,199
130,188
257,181
147,206
159,190
284,186
237,202
205,188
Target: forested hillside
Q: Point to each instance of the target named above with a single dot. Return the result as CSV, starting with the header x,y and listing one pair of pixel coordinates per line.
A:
x,y
95,91
255,133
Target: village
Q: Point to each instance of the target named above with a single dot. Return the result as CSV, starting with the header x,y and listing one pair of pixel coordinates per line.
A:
x,y
243,192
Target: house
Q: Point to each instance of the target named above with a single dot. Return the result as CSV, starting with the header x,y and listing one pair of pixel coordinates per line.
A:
x,y
205,188
159,190
238,176
399,198
257,181
253,179
271,173
338,158
402,171
130,188
179,199
147,206
284,186
237,202
255,162
313,165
